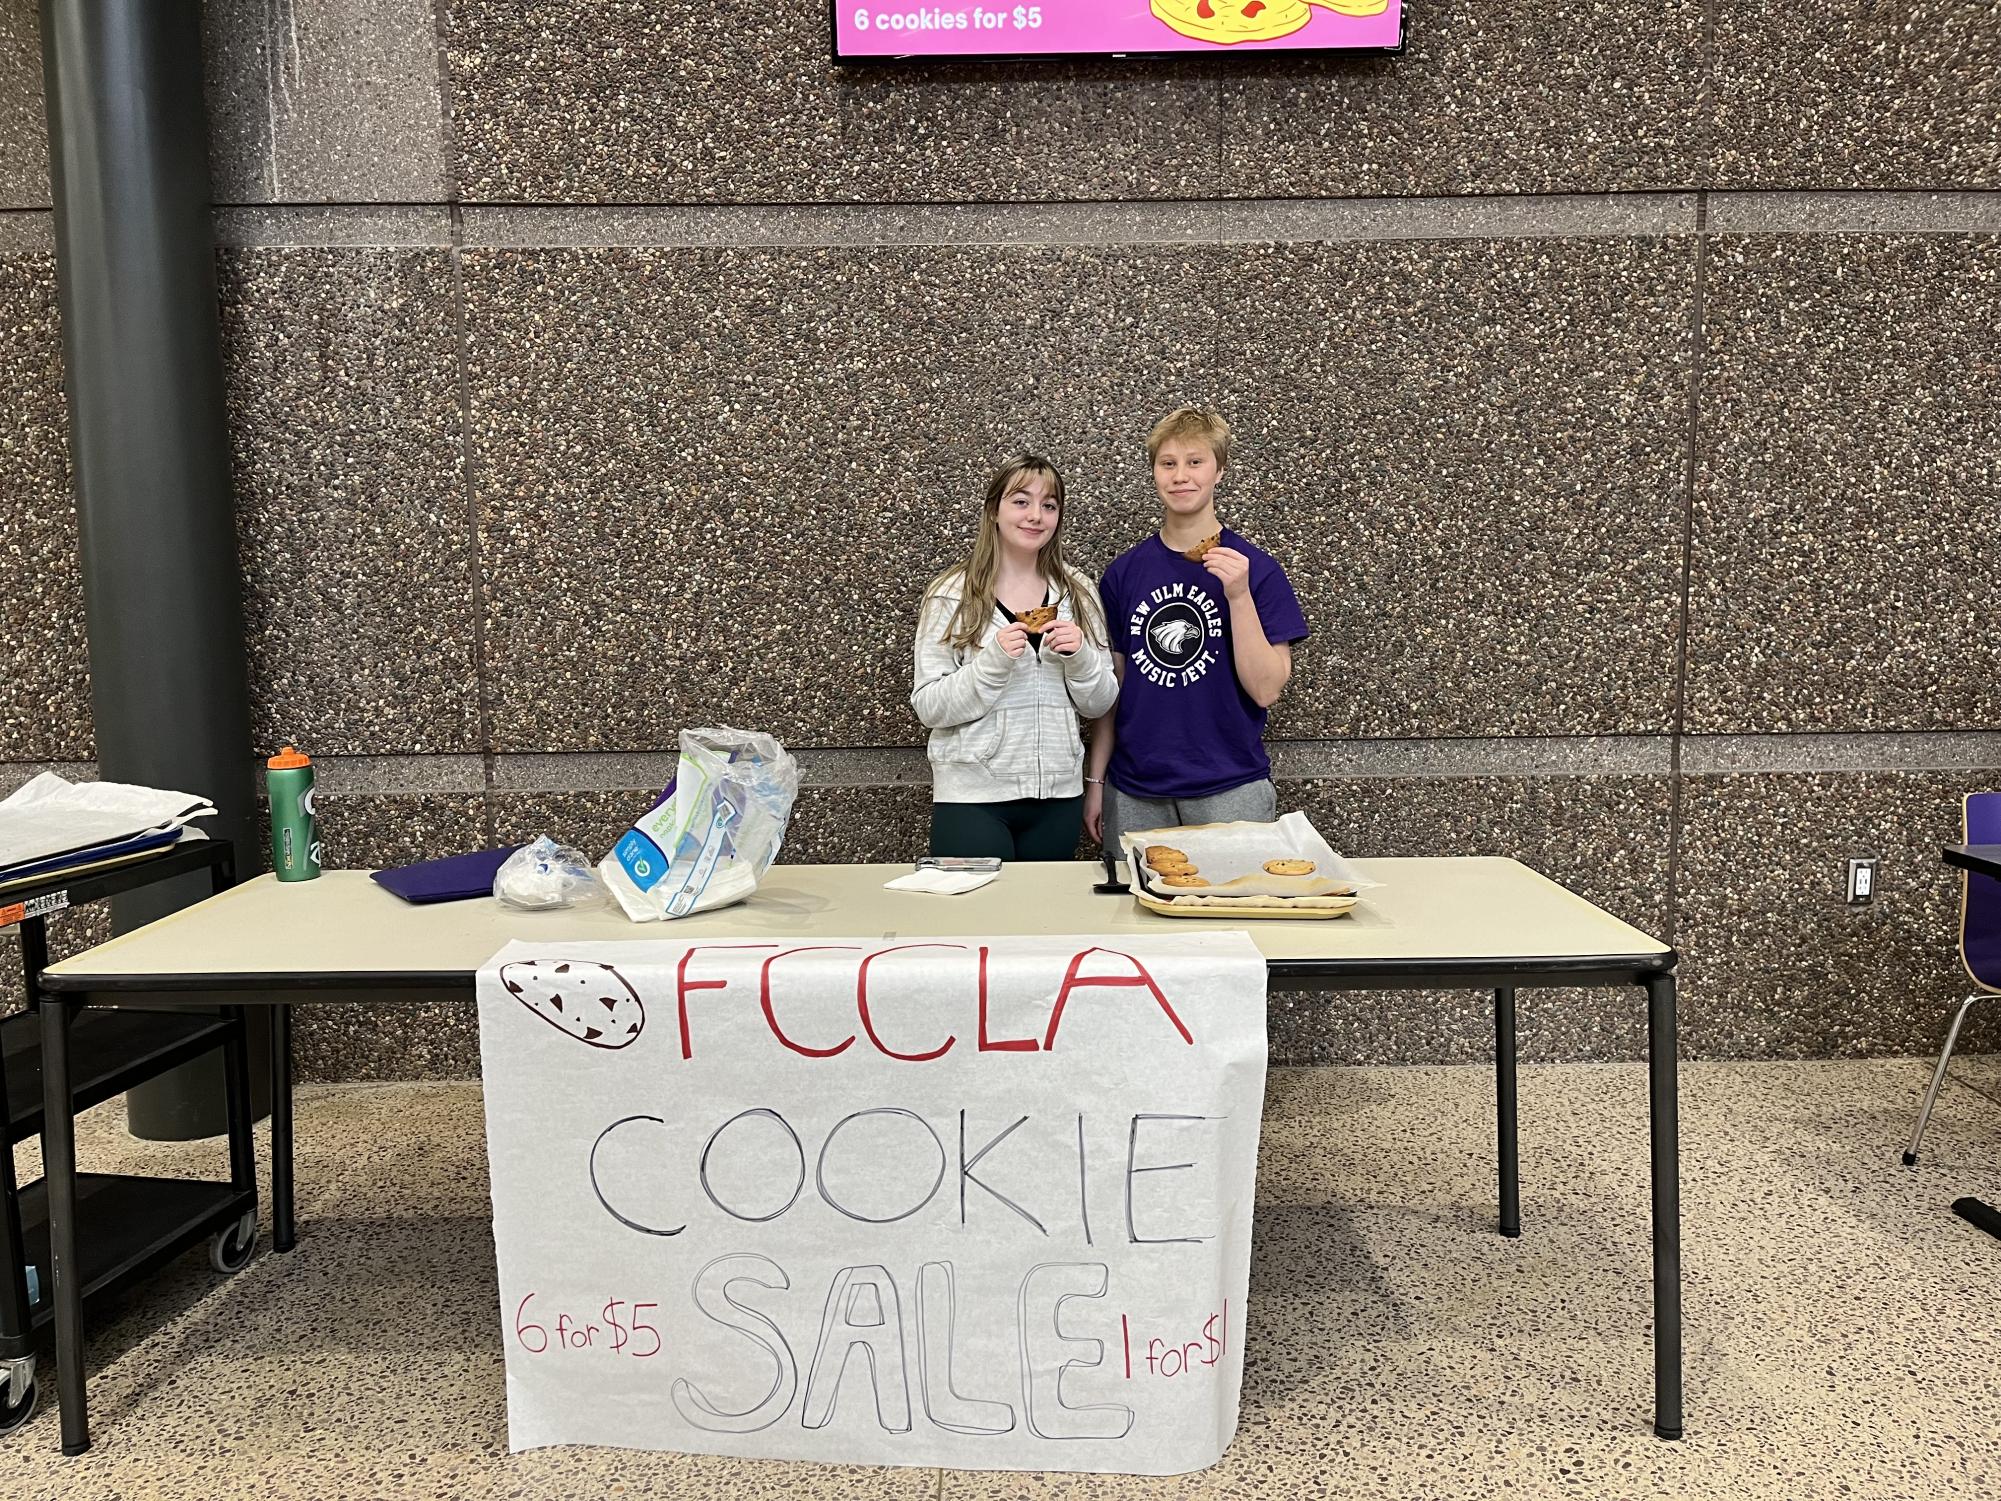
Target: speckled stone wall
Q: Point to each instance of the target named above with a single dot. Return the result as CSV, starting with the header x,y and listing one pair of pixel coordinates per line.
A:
x,y
1844,551
45,689
1617,380
343,388
24,146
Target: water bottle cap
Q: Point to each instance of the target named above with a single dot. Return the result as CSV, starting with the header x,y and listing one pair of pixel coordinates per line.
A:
x,y
288,758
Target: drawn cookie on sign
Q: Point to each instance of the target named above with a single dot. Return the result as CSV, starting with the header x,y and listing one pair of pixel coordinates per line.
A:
x,y
591,1002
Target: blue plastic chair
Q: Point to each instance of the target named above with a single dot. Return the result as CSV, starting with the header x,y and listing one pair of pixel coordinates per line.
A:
x,y
1979,941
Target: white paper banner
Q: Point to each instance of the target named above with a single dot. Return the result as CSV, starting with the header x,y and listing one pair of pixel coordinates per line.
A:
x,y
971,1202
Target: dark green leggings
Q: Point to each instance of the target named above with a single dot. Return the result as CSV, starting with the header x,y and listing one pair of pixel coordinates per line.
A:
x,y
1029,828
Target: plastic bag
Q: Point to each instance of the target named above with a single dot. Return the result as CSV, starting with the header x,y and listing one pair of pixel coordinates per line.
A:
x,y
545,875
714,832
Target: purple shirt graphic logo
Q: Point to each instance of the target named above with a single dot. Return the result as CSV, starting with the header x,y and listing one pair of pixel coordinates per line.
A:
x,y
1175,635
1186,728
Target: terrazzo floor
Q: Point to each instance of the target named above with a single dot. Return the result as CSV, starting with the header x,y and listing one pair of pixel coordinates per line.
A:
x,y
1843,1329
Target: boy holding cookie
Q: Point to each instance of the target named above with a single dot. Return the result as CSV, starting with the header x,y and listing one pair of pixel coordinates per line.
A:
x,y
1202,628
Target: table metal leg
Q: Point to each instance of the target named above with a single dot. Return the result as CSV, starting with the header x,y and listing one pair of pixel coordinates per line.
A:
x,y
282,1237
236,1066
59,1178
1664,1129
236,1090
1504,1110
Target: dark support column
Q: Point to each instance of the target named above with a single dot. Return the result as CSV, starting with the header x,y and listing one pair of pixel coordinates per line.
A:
x,y
149,444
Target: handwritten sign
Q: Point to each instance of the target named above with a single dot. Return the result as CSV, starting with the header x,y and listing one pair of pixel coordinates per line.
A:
x,y
960,1202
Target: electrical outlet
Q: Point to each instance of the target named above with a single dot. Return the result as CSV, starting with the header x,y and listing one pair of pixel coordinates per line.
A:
x,y
1861,881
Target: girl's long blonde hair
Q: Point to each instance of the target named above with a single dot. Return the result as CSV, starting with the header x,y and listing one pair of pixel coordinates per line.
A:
x,y
979,573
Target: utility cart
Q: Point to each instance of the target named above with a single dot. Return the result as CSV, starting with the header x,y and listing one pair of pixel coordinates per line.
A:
x,y
126,1226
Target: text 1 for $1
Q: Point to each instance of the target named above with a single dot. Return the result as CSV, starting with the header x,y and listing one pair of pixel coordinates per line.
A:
x,y
931,18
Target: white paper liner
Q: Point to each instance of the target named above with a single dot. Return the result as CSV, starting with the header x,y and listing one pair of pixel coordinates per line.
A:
x,y
1231,857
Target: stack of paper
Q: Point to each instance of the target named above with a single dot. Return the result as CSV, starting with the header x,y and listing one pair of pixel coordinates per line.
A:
x,y
941,882
52,827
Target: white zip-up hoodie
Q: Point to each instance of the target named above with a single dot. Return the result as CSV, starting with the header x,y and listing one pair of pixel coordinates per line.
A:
x,y
1006,727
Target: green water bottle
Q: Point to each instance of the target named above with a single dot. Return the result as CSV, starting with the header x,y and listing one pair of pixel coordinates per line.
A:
x,y
295,852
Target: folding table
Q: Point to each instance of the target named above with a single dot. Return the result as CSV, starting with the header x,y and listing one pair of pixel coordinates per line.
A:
x,y
1474,922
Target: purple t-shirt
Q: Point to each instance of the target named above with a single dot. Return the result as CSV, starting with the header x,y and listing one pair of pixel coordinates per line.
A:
x,y
1186,728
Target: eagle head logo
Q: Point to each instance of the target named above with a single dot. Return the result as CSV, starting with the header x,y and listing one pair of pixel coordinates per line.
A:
x,y
1172,637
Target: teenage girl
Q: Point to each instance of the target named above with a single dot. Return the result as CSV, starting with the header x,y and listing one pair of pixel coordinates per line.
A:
x,y
1001,699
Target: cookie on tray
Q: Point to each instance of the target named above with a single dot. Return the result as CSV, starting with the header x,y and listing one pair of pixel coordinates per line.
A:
x,y
1290,867
1158,854
1183,879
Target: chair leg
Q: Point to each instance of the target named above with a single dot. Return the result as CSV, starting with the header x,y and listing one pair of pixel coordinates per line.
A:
x,y
1938,1078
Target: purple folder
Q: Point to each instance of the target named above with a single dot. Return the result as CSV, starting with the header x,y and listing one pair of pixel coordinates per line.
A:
x,y
452,879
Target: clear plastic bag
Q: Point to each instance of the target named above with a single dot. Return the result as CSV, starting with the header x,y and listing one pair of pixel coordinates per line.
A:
x,y
713,834
545,875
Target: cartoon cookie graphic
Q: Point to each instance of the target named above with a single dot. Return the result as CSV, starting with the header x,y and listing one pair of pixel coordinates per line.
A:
x,y
590,1002
1226,22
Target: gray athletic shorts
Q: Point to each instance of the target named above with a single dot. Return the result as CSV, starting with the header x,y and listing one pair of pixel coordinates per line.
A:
x,y
1256,802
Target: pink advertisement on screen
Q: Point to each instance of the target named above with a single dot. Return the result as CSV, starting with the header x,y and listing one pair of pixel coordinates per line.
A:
x,y
975,28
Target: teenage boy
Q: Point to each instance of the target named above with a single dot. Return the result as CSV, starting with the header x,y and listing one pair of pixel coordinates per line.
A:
x,y
1202,627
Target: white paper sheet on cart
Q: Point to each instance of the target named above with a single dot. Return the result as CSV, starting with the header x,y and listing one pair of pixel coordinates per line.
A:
x,y
965,1202
51,815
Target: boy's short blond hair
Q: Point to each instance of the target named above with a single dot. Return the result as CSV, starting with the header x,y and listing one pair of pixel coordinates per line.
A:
x,y
1192,424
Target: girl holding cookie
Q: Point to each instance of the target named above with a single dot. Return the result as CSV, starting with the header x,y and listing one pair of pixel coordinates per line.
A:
x,y
1010,650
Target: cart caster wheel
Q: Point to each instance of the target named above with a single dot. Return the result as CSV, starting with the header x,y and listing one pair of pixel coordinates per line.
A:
x,y
230,1250
14,1413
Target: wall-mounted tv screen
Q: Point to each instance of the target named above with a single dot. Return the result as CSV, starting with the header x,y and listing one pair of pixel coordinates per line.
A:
x,y
877,30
